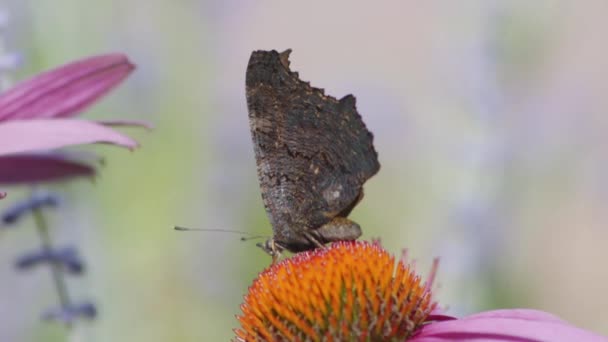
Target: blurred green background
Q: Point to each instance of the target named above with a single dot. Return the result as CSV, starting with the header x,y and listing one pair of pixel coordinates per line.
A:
x,y
489,118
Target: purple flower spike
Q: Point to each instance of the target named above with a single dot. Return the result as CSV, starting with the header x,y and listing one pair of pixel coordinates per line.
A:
x,y
67,257
69,314
64,91
505,325
38,200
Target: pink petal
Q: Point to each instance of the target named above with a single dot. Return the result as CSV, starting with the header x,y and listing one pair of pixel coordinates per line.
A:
x,y
44,134
66,90
2,194
523,314
439,317
519,325
35,168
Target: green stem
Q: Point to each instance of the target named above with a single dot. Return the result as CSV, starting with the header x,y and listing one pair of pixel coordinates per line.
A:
x,y
56,268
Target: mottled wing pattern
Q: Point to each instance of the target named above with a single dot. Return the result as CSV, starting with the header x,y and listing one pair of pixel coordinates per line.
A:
x,y
313,151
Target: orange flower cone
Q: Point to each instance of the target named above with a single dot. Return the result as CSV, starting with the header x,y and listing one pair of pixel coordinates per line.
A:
x,y
350,291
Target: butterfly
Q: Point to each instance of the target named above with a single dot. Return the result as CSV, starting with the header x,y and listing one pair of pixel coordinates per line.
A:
x,y
313,155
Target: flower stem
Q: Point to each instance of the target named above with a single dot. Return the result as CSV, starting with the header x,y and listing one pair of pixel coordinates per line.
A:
x,y
56,268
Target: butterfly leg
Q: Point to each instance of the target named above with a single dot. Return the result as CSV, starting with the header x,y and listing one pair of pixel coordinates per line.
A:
x,y
311,237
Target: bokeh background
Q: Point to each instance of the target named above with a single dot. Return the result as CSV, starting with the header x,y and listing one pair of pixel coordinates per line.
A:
x,y
489,118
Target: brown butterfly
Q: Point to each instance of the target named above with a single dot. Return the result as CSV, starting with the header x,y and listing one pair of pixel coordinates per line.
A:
x,y
313,155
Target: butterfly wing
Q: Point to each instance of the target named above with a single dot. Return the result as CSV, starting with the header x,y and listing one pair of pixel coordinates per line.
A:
x,y
313,151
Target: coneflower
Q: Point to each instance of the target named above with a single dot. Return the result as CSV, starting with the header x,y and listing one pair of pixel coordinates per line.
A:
x,y
357,291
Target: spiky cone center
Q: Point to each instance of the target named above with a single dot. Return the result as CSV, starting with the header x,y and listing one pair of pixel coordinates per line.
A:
x,y
350,291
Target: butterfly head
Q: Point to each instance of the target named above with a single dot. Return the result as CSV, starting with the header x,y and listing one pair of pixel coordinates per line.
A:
x,y
272,248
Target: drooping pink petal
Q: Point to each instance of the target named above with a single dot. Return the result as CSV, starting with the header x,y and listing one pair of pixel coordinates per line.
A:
x,y
35,168
505,325
66,90
120,123
21,136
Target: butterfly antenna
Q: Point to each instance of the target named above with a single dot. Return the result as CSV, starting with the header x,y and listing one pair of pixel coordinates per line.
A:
x,y
243,238
253,237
